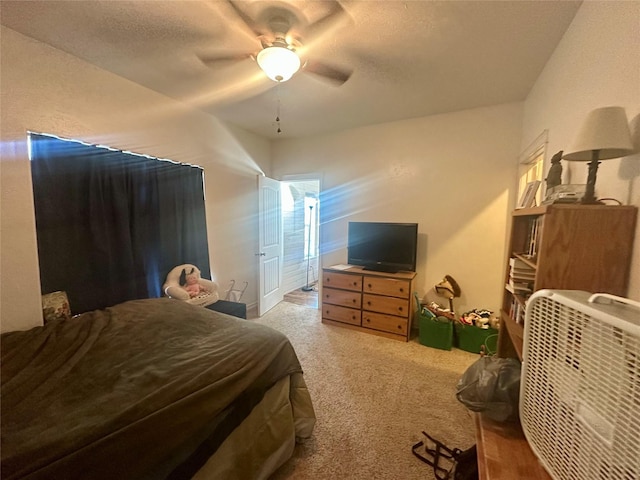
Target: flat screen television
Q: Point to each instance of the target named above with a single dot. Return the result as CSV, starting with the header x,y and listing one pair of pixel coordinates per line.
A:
x,y
385,247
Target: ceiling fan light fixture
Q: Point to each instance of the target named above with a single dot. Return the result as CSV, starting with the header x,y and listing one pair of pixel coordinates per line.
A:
x,y
278,63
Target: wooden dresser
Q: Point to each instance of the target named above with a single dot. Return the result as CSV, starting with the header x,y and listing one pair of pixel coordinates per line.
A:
x,y
374,302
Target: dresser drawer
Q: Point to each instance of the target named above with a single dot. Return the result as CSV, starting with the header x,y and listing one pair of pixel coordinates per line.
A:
x,y
342,297
385,323
390,305
341,314
387,286
342,280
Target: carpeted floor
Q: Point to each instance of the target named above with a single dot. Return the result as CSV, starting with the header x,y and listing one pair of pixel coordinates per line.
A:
x,y
373,397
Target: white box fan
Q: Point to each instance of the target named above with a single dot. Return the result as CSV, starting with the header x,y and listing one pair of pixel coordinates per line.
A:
x,y
580,387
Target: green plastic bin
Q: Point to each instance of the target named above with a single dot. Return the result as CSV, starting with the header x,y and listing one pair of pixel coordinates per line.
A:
x,y
435,332
471,338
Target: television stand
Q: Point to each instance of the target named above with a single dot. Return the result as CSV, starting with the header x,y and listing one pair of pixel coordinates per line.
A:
x,y
380,303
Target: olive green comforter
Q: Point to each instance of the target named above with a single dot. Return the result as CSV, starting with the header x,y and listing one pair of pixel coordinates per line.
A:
x,y
139,390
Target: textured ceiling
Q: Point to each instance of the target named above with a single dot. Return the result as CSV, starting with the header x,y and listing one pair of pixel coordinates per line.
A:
x,y
409,58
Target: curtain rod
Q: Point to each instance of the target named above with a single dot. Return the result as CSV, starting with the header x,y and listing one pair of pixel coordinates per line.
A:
x,y
151,157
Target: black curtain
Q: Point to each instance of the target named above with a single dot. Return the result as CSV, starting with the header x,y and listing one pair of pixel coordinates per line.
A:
x,y
110,224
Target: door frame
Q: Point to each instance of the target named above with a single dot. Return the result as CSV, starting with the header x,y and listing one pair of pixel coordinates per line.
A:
x,y
319,178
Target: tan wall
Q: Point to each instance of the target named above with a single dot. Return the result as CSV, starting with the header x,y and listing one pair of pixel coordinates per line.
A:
x,y
453,174
46,90
596,64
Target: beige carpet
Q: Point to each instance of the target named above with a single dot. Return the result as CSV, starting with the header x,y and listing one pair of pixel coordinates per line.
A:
x,y
373,397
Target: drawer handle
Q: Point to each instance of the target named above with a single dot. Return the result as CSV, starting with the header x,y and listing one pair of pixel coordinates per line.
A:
x,y
369,303
353,317
355,284
369,285
402,290
327,280
327,312
400,309
368,320
326,296
353,300
399,327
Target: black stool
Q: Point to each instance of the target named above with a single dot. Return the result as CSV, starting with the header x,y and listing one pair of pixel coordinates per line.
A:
x,y
230,308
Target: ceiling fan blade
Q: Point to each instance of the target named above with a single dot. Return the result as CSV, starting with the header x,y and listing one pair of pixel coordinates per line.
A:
x,y
322,26
209,60
338,76
248,21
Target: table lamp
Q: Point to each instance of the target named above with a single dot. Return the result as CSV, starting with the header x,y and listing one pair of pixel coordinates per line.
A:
x,y
604,134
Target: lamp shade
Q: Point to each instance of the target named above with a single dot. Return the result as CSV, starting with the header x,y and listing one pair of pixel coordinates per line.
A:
x,y
606,130
278,63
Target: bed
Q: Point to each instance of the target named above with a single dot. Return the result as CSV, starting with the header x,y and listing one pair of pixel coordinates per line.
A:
x,y
150,389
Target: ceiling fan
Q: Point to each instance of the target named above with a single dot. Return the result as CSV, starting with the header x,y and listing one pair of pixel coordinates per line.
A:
x,y
282,52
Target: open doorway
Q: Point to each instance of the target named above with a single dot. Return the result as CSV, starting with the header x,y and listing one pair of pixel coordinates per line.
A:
x,y
301,223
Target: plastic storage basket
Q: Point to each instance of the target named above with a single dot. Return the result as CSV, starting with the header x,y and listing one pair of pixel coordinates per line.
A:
x,y
436,332
580,388
471,338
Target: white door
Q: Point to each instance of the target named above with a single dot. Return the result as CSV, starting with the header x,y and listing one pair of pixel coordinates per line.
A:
x,y
269,244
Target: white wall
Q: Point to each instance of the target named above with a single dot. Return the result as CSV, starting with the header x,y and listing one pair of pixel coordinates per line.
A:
x,y
453,174
46,90
596,64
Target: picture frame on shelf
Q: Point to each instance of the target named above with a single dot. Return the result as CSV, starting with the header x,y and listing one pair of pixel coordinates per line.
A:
x,y
528,197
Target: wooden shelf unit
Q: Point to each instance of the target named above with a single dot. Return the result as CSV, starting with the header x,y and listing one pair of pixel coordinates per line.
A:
x,y
373,302
577,247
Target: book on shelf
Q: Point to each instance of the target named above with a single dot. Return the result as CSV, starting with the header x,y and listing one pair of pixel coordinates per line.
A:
x,y
522,267
522,277
520,273
523,271
519,264
520,283
518,288
517,311
533,238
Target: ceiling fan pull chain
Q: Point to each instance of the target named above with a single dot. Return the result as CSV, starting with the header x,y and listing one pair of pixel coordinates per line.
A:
x,y
278,108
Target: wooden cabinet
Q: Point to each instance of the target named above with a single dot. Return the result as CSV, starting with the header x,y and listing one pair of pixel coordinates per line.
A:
x,y
571,247
373,302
